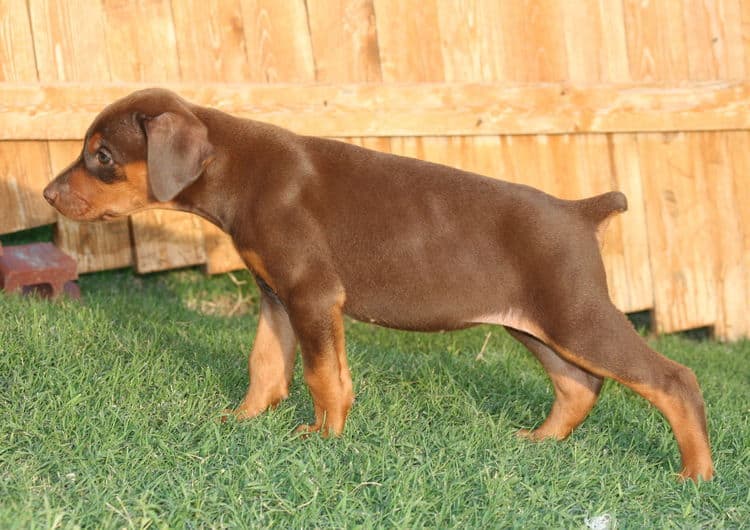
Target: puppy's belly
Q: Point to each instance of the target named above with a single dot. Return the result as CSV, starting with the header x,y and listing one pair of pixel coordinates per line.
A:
x,y
434,312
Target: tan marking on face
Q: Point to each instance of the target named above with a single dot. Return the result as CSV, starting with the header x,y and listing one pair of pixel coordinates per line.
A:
x,y
136,173
86,198
94,142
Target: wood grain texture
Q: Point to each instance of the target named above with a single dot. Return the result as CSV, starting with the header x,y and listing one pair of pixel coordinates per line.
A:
x,y
62,111
595,41
724,204
69,43
278,47
734,229
278,41
17,62
24,166
657,47
680,231
596,48
163,240
422,61
214,48
713,38
533,41
344,40
24,172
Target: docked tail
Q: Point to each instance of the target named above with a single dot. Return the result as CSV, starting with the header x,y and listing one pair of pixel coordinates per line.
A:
x,y
601,208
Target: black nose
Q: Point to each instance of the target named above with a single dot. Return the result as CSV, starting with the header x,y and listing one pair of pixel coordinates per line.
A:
x,y
50,194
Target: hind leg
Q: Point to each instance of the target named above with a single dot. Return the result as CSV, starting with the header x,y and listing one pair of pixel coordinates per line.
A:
x,y
602,341
576,390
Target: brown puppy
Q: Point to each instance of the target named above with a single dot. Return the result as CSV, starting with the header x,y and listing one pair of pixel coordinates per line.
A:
x,y
330,229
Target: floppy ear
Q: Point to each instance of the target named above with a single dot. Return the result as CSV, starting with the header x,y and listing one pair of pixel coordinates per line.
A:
x,y
178,148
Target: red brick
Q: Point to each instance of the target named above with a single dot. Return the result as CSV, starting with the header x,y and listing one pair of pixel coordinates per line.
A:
x,y
40,268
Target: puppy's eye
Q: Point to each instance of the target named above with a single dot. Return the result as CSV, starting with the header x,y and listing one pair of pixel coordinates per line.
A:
x,y
103,157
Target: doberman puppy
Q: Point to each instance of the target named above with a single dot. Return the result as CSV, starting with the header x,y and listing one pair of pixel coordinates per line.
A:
x,y
330,229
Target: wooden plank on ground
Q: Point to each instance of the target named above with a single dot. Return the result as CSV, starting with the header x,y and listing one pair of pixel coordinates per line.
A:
x,y
163,240
64,111
95,246
679,229
69,43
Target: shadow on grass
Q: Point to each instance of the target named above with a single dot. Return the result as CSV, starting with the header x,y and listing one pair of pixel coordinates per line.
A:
x,y
508,384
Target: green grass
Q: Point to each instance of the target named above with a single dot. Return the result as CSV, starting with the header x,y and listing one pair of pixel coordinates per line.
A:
x,y
108,412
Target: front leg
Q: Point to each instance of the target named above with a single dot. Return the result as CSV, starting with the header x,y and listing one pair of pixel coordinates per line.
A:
x,y
317,317
271,361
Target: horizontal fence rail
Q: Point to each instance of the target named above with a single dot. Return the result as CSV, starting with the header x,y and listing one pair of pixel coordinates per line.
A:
x,y
63,111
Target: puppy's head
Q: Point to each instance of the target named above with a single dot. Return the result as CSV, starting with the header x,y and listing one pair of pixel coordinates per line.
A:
x,y
141,151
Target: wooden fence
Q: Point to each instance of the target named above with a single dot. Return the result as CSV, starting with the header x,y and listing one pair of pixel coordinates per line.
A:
x,y
574,97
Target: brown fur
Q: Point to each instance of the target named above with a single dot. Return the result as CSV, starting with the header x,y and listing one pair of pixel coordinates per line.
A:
x,y
331,229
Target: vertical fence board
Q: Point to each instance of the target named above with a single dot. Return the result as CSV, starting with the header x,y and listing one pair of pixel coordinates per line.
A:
x,y
214,50
24,171
638,295
734,286
344,40
723,202
656,40
17,61
163,239
422,61
715,51
24,166
278,41
679,241
672,176
596,47
713,36
418,61
595,41
68,41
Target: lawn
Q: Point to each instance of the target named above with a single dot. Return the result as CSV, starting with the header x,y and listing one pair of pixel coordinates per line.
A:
x,y
109,411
